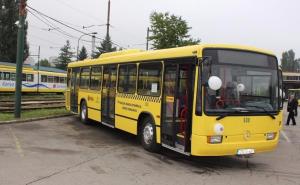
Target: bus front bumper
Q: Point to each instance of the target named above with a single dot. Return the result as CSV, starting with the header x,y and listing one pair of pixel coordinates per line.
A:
x,y
200,146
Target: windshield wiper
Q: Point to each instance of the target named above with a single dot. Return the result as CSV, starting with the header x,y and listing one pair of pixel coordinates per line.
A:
x,y
229,113
265,111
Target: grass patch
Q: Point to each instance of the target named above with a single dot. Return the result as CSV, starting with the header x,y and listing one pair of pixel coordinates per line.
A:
x,y
27,114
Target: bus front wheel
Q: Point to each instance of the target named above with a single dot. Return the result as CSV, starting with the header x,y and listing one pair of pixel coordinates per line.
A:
x,y
148,135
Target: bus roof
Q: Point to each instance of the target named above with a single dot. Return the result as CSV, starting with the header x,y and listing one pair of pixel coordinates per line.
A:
x,y
133,55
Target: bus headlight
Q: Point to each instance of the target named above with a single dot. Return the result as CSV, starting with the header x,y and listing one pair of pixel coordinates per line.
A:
x,y
271,135
214,139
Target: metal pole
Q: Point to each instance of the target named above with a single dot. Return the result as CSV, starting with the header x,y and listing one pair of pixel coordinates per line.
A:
x,y
108,19
93,44
38,74
147,42
20,57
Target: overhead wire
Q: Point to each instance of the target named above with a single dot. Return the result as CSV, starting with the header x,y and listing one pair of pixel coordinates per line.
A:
x,y
55,28
70,27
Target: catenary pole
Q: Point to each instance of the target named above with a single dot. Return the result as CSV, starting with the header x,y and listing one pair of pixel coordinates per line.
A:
x,y
20,58
108,19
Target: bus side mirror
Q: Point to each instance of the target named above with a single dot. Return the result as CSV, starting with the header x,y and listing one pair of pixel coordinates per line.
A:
x,y
206,69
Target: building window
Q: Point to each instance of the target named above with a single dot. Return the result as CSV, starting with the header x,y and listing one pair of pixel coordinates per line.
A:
x,y
29,77
127,78
149,79
96,77
44,78
84,78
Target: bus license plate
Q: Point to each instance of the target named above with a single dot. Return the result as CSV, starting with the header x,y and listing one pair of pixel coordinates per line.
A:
x,y
247,151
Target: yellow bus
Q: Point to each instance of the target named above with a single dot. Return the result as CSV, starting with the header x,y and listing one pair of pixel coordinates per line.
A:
x,y
201,100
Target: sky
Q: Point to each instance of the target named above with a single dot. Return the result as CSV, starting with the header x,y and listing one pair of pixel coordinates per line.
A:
x,y
268,24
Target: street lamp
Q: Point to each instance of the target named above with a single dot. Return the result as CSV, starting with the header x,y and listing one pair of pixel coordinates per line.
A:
x,y
93,33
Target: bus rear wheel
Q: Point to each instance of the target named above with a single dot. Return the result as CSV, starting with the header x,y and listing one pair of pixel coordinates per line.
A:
x,y
148,135
83,112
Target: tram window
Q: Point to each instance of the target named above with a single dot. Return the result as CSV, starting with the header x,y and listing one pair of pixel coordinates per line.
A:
x,y
12,76
56,79
29,77
50,79
61,80
127,78
96,78
44,78
6,76
149,79
23,77
84,78
1,77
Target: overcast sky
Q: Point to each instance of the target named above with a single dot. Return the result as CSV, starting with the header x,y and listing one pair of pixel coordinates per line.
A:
x,y
268,24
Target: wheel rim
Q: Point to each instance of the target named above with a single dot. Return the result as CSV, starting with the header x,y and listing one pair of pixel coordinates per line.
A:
x,y
83,112
148,133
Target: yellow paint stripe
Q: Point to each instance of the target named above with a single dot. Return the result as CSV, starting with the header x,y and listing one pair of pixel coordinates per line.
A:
x,y
17,143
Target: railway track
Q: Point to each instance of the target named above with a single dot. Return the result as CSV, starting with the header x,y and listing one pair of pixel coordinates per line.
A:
x,y
8,105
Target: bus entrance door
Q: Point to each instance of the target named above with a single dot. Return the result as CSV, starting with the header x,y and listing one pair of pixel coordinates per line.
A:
x,y
74,89
177,106
108,95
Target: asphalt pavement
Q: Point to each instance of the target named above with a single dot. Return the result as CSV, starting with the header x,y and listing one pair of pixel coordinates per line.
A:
x,y
64,151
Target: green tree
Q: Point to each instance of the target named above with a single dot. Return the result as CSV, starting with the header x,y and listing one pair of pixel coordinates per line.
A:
x,y
9,15
65,56
288,61
44,63
169,31
105,47
82,54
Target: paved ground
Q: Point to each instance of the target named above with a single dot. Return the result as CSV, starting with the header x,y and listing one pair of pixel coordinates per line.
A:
x,y
63,151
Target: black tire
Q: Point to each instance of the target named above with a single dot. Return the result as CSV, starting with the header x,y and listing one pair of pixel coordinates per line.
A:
x,y
83,112
147,135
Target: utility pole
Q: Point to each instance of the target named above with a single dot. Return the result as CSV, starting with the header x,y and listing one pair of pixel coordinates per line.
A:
x,y
108,19
93,44
147,42
38,74
20,57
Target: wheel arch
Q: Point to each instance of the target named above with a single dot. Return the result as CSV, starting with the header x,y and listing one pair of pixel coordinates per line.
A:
x,y
141,117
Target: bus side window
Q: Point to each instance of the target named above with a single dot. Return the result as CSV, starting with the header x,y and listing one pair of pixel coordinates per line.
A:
x,y
84,78
6,76
29,77
1,75
44,78
61,80
23,77
149,79
56,79
50,79
96,78
127,78
12,76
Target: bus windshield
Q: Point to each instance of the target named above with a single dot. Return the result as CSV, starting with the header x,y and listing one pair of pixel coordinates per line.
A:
x,y
249,82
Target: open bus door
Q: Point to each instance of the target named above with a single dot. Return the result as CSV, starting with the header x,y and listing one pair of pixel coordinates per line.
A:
x,y
177,104
74,89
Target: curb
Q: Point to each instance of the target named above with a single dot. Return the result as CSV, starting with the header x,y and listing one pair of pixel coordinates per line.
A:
x,y
34,119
